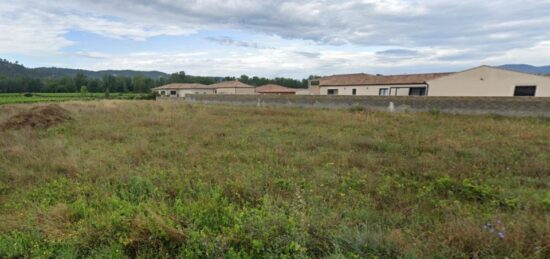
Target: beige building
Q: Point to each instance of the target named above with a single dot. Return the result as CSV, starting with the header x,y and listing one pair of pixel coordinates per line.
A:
x,y
303,91
480,81
490,81
180,90
366,84
233,87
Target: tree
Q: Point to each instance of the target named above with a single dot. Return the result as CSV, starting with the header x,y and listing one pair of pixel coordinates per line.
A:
x,y
120,84
142,84
94,86
161,81
84,91
244,79
67,85
178,77
109,82
80,80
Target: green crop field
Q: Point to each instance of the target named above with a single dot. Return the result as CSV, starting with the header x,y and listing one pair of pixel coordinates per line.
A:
x,y
144,179
11,98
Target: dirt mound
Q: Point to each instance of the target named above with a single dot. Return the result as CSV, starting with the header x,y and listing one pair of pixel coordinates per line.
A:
x,y
38,117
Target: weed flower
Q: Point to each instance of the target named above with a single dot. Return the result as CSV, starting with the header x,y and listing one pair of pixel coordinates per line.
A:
x,y
497,228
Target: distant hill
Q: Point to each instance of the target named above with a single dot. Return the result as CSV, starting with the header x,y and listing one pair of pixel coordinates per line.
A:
x,y
544,70
9,69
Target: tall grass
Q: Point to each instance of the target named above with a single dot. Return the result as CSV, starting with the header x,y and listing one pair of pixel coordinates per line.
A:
x,y
153,179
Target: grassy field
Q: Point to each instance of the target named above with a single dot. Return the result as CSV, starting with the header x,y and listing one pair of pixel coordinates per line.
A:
x,y
152,179
12,98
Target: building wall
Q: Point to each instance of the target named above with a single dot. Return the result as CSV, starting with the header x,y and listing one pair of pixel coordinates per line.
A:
x,y
487,81
371,90
303,92
234,90
225,91
166,93
278,93
184,92
247,90
313,89
399,91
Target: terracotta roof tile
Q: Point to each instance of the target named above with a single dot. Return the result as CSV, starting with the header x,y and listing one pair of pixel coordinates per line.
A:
x,y
231,84
183,86
367,79
273,88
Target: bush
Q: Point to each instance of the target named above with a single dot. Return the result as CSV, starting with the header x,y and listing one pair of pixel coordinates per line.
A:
x,y
357,108
149,96
465,190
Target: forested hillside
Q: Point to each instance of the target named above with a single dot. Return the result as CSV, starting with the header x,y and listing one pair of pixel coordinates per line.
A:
x,y
11,69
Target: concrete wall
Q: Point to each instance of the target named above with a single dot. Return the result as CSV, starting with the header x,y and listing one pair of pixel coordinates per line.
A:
x,y
487,81
371,90
509,106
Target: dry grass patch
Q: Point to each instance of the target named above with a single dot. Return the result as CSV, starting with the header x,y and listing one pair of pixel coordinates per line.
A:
x,y
37,117
169,179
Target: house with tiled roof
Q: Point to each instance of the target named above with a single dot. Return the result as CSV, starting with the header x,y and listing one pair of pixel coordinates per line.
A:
x,y
367,84
479,81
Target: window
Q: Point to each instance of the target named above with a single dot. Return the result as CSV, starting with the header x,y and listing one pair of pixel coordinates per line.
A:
x,y
314,82
354,91
332,91
525,91
417,91
162,92
383,92
172,92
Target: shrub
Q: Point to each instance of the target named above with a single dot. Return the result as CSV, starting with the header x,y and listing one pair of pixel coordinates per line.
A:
x,y
136,190
464,190
357,109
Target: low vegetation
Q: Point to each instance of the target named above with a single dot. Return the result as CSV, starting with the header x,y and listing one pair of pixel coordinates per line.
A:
x,y
11,98
152,179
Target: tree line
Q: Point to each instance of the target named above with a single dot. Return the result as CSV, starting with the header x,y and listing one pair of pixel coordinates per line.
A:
x,y
11,82
122,84
108,83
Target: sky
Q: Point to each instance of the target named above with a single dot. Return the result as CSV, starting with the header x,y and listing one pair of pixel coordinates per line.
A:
x,y
275,38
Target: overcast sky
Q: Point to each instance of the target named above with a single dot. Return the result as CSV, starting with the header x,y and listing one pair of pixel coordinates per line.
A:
x,y
275,38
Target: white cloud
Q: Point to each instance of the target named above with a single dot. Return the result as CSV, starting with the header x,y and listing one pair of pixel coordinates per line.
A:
x,y
348,36
278,62
228,41
29,31
92,54
40,29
